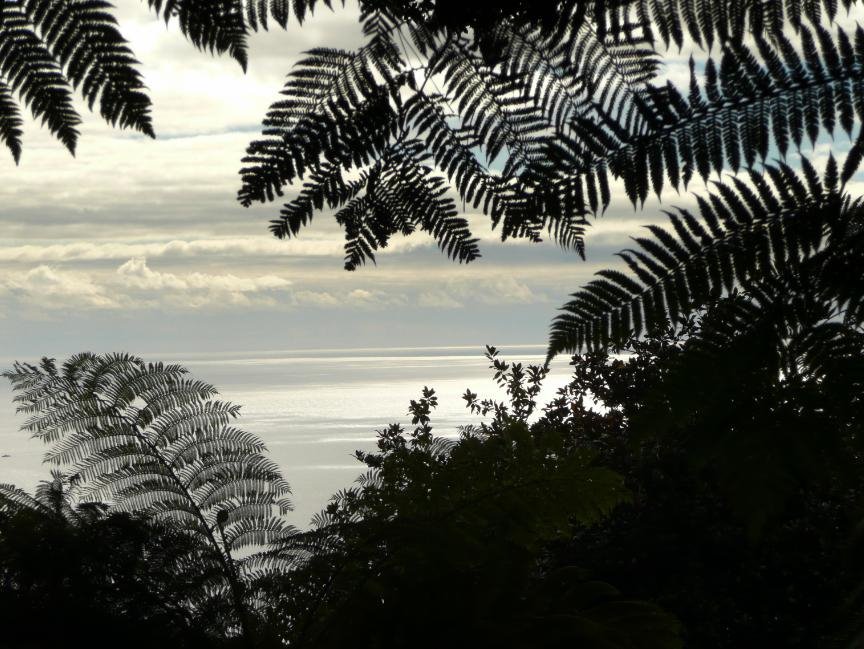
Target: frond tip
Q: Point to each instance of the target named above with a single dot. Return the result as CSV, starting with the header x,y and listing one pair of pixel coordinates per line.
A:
x,y
149,440
747,235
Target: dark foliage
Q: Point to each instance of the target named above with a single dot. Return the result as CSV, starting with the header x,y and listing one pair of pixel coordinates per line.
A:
x,y
506,93
741,515
152,442
531,114
792,243
86,576
50,47
745,521
461,528
680,493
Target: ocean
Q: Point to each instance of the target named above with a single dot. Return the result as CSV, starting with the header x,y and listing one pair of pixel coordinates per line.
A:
x,y
314,408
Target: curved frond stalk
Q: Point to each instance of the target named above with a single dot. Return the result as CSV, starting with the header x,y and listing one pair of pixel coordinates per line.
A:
x,y
745,236
84,38
149,440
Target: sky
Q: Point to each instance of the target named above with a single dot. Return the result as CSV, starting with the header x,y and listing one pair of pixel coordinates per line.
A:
x,y
139,245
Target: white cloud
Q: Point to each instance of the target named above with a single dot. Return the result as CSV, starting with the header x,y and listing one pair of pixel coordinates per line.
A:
x,y
134,285
56,289
438,299
363,298
315,298
242,247
135,273
491,291
496,291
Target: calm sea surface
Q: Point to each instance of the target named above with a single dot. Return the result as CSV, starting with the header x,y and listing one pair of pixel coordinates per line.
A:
x,y
314,408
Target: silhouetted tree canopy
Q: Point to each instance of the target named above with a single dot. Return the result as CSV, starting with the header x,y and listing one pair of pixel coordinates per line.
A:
x,y
83,575
698,484
445,540
675,494
528,112
747,521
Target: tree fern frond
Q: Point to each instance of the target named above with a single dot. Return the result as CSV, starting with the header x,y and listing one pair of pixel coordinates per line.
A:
x,y
30,69
489,104
253,531
13,499
752,236
325,186
84,38
10,122
725,123
347,110
150,441
402,196
260,12
716,21
581,65
215,25
329,92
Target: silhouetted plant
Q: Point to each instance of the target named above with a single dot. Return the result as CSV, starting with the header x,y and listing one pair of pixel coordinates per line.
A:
x,y
148,440
86,576
446,541
791,244
746,474
529,112
721,489
533,119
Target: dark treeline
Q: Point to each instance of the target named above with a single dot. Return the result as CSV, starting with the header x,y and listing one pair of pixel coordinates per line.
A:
x,y
672,496
698,484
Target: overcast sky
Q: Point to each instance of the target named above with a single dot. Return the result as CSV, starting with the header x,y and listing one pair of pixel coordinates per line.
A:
x,y
139,245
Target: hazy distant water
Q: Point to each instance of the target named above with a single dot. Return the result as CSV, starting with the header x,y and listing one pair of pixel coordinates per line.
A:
x,y
314,408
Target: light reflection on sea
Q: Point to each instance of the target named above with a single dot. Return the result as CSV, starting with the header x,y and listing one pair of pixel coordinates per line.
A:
x,y
314,408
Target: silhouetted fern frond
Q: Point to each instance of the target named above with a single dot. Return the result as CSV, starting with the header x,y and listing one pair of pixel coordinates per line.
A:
x,y
485,121
715,22
729,122
582,63
84,38
401,197
531,122
49,47
14,499
329,88
29,68
746,236
214,25
10,122
149,440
